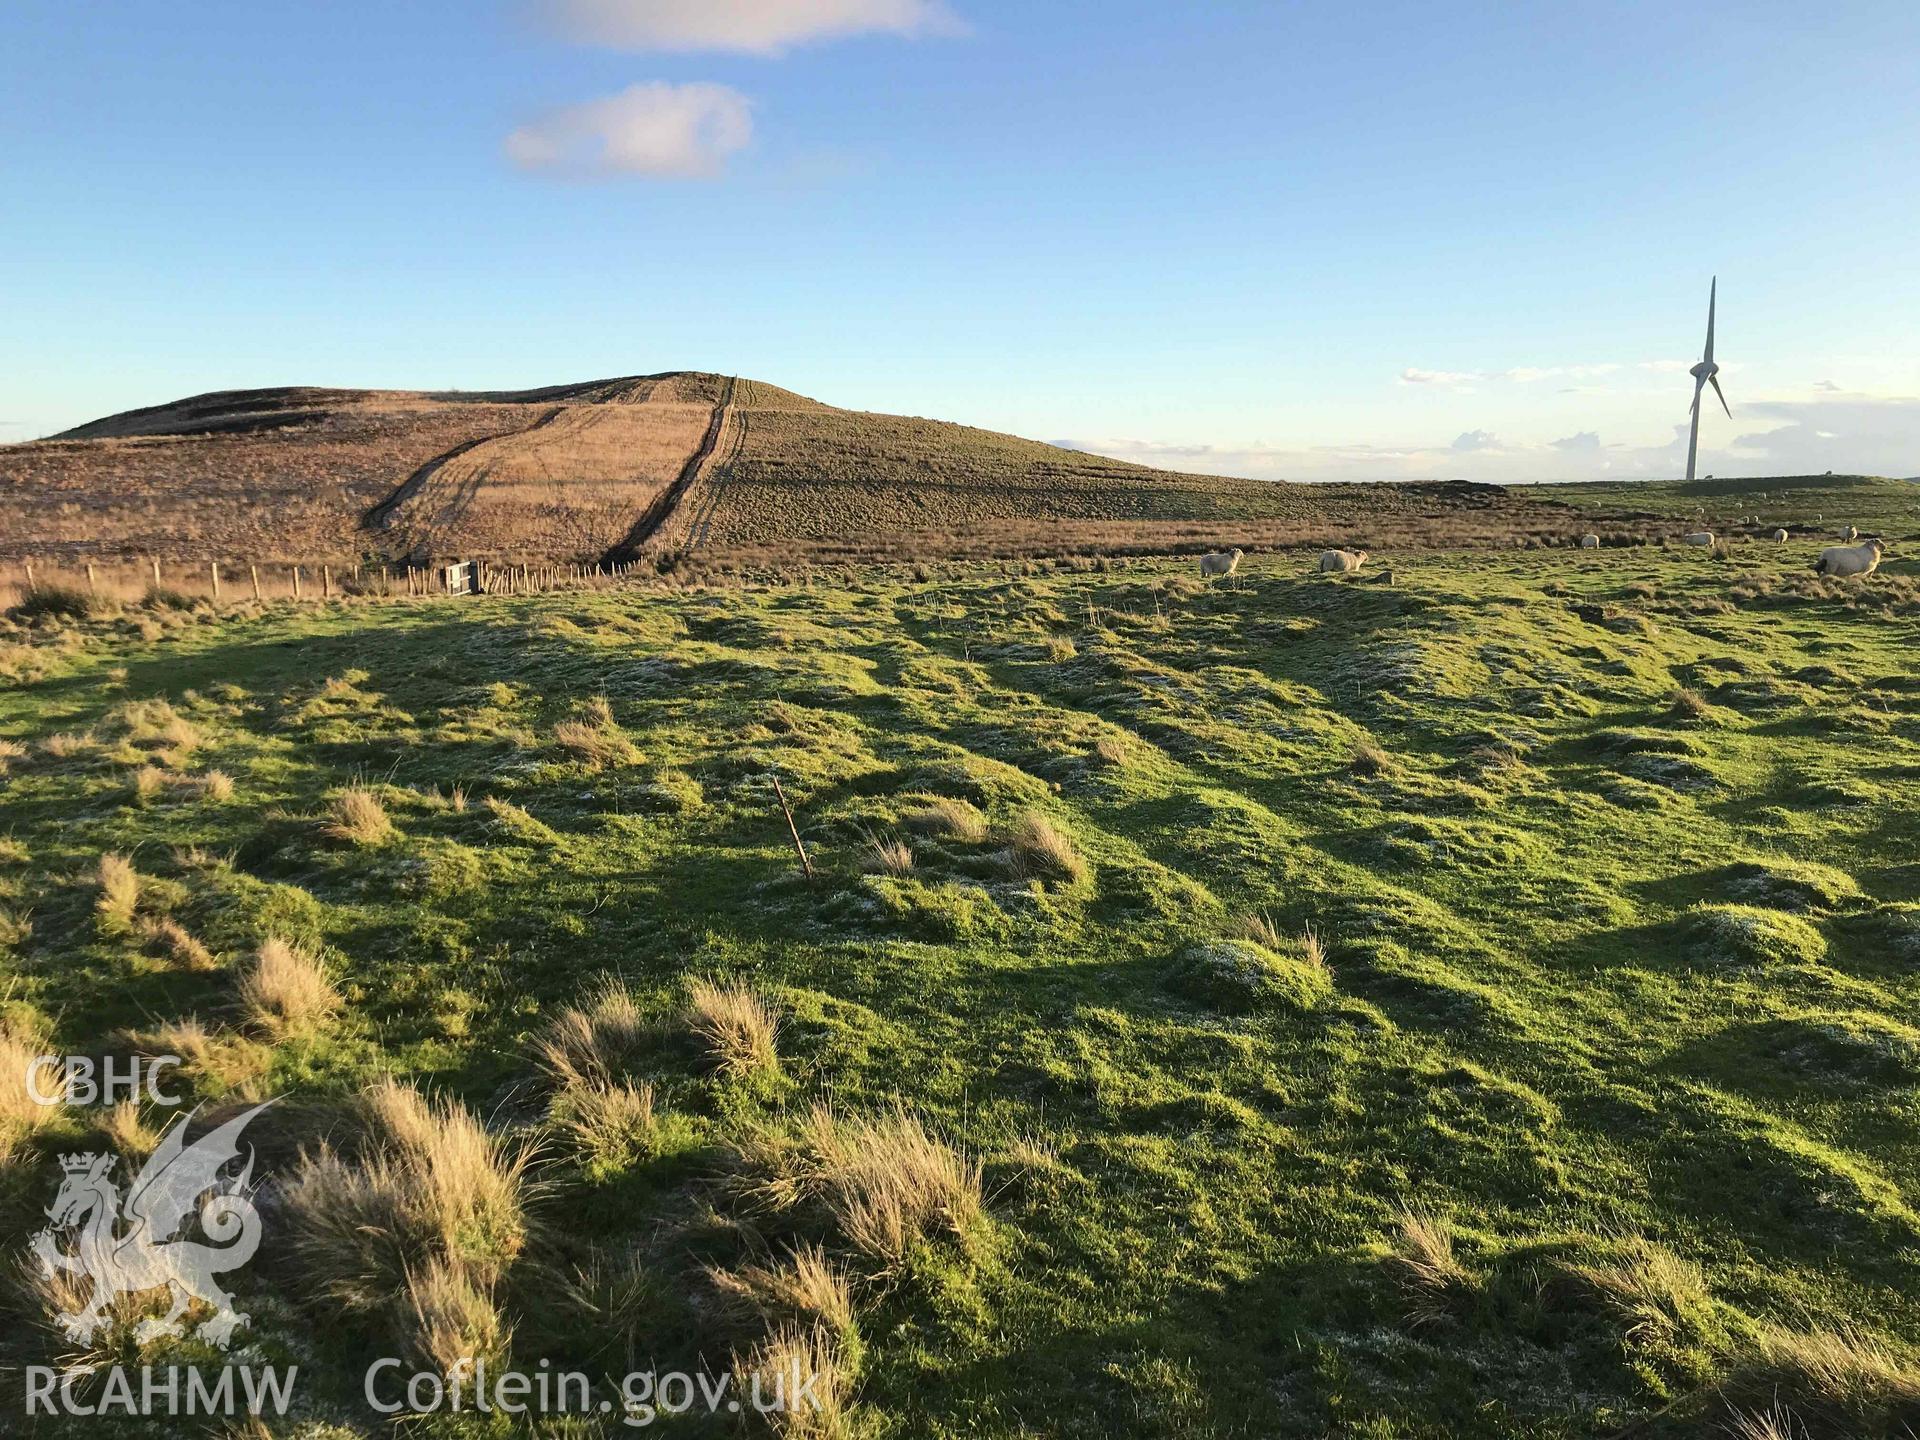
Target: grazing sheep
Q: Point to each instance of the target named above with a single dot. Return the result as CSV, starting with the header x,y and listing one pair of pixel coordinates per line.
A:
x,y
1220,562
1589,542
1698,537
1341,560
1779,535
1848,560
1850,534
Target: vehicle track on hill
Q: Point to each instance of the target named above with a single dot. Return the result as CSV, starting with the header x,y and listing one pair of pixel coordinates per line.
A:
x,y
655,517
381,516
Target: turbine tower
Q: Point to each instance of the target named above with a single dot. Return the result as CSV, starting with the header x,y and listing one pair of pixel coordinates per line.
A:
x,y
1704,374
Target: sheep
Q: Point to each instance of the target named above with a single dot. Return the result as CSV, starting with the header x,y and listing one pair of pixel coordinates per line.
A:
x,y
1849,533
1848,560
1698,537
1341,560
1220,562
1779,535
1589,542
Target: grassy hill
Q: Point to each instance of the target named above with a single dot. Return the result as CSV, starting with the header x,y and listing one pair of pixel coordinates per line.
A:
x,y
657,464
1822,503
1481,1006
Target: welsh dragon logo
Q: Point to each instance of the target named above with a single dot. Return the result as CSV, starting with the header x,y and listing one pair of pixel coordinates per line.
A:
x,y
141,1246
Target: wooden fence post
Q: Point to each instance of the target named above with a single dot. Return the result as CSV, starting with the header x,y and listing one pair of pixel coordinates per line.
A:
x,y
213,569
156,574
326,582
296,582
254,571
30,579
93,586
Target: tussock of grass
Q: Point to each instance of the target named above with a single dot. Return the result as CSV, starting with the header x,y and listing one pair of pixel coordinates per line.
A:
x,y
430,1194
613,1126
1433,1284
127,1131
357,816
945,818
454,1319
738,1029
1369,759
171,939
119,894
884,1182
21,1115
287,991
825,1414
593,1043
68,744
888,855
595,737
1042,850
1652,1292
215,786
805,1289
1835,1383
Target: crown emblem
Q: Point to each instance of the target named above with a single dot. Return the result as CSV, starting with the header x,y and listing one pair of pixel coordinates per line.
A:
x,y
83,1162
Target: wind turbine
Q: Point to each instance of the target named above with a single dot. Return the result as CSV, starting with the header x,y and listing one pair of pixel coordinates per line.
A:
x,y
1704,374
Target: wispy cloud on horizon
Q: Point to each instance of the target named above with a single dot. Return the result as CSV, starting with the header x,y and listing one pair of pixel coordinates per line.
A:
x,y
657,130
753,27
1854,434
1528,374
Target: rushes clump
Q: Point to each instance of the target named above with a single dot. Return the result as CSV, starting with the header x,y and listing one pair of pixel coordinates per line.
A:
x,y
737,1027
1041,850
287,991
357,817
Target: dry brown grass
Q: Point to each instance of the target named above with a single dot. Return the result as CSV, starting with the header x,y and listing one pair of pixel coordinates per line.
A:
x,y
888,855
803,1351
593,1043
126,1131
1042,850
884,1182
1369,759
287,992
613,1126
21,1116
454,1319
358,817
119,894
171,939
738,1029
948,819
1260,929
1836,1383
805,1289
428,1188
214,785
595,737
1433,1284
1649,1289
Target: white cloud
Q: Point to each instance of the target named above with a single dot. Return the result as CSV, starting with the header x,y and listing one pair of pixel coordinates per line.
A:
x,y
1438,377
1528,374
1476,440
659,130
755,27
1587,442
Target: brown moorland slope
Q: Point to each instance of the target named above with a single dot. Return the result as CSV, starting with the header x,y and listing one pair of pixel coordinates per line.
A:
x,y
682,461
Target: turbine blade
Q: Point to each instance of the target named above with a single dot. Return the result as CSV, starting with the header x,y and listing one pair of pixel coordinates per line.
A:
x,y
1713,296
1723,397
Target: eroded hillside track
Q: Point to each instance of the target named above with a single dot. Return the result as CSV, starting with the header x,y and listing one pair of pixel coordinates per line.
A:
x,y
656,515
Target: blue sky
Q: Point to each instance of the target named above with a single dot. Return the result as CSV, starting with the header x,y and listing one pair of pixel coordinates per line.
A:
x,y
1311,240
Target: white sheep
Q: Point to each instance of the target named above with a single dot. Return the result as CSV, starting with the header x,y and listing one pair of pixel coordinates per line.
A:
x,y
1779,535
1589,542
1848,560
1341,560
1850,533
1698,537
1220,562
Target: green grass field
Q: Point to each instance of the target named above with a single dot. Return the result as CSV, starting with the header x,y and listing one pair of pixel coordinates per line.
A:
x,y
1477,1006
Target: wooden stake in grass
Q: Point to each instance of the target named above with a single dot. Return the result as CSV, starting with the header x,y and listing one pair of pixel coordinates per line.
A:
x,y
792,829
156,574
254,572
93,585
30,579
213,570
296,582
